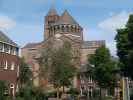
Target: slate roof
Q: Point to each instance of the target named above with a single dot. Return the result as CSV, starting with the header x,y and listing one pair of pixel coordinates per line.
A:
x,y
66,18
5,39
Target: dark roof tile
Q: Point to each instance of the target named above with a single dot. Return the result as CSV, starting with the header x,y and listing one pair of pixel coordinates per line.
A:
x,y
66,18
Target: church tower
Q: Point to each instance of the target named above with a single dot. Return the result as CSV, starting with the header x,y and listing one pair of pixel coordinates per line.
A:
x,y
68,26
51,18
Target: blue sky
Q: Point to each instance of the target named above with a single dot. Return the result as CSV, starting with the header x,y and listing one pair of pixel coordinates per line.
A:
x,y
23,20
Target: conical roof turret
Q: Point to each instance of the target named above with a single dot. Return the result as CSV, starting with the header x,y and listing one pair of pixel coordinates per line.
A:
x,y
66,18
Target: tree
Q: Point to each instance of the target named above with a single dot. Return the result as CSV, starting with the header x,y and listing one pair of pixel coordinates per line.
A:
x,y
25,73
124,40
30,92
3,87
57,63
130,38
122,48
104,67
102,55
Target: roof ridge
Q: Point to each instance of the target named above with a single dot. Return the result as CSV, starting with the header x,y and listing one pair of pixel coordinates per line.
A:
x,y
4,38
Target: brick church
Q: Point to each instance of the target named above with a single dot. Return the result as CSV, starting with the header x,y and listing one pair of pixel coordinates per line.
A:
x,y
57,29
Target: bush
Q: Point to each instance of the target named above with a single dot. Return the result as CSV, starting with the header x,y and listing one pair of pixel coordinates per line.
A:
x,y
31,93
73,93
51,94
108,98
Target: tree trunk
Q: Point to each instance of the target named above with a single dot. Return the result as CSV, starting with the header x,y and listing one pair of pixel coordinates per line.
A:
x,y
58,93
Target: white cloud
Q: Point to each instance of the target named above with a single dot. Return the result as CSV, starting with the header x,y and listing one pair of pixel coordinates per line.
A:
x,y
6,22
97,34
114,22
112,46
110,25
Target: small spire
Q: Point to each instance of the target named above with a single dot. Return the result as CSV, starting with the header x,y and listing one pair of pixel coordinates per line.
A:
x,y
65,12
52,10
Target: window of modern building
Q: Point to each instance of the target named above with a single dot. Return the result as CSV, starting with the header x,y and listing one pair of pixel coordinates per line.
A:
x,y
14,53
1,47
17,51
12,50
6,48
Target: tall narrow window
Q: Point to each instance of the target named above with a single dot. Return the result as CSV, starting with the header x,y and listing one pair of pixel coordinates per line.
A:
x,y
12,66
18,71
1,64
12,90
1,47
17,51
6,48
5,65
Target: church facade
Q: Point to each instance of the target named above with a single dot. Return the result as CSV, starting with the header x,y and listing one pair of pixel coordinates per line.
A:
x,y
57,29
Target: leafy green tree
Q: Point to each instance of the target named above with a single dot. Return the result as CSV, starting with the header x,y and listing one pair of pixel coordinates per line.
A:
x,y
31,93
27,90
130,38
129,27
3,87
25,73
25,76
122,48
124,40
102,55
103,69
57,63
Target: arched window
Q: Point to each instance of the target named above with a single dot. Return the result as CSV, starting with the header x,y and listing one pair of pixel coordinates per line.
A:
x,y
11,85
75,29
71,28
12,89
67,28
63,29
58,27
78,29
